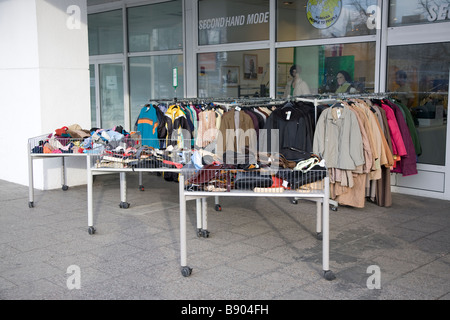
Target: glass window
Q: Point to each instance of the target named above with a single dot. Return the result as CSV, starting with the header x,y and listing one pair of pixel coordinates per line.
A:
x,y
155,27
233,74
93,96
318,68
151,78
105,31
419,76
316,19
111,95
408,12
232,21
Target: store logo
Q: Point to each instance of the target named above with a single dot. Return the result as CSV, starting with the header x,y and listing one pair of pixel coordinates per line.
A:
x,y
373,17
73,21
234,21
323,14
436,13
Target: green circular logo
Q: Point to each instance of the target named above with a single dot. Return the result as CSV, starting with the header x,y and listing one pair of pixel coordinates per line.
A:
x,y
323,14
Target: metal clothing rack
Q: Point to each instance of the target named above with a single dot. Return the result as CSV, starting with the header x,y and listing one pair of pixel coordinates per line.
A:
x,y
334,98
92,171
35,142
319,194
318,101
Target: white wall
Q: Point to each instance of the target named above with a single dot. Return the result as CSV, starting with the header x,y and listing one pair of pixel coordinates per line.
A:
x,y
44,81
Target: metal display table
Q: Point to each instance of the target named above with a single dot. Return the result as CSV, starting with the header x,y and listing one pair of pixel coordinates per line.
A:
x,y
318,193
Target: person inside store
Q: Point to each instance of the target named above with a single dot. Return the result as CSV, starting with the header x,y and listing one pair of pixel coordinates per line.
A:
x,y
405,95
345,83
296,86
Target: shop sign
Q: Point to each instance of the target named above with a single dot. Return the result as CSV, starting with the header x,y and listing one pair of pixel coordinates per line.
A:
x,y
438,13
322,14
234,21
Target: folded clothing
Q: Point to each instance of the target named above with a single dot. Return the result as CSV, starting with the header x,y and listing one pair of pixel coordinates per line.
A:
x,y
252,179
296,178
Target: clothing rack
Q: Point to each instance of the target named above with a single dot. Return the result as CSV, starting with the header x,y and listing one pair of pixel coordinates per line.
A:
x,y
318,100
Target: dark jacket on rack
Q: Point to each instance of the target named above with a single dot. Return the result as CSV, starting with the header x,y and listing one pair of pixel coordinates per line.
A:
x,y
295,125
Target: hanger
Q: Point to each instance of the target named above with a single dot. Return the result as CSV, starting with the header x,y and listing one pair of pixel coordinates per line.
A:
x,y
338,104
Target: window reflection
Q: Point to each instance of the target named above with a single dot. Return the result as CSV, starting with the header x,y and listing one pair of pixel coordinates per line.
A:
x,y
233,74
151,78
321,66
155,27
409,12
418,77
105,32
232,21
315,19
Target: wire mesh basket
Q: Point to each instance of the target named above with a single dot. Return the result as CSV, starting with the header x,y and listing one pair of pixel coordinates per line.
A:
x,y
95,143
225,178
51,144
133,155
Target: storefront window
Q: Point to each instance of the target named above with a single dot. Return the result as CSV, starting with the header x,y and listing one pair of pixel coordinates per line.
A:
x,y
105,33
232,21
408,12
155,27
316,19
93,95
318,67
111,94
151,78
233,74
418,76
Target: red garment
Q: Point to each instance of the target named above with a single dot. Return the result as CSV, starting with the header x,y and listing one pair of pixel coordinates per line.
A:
x,y
408,164
398,145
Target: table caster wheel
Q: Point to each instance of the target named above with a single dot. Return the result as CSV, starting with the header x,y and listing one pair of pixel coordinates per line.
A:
x,y
141,188
334,208
319,235
91,230
329,275
65,188
218,207
186,271
124,205
199,233
294,201
31,204
205,233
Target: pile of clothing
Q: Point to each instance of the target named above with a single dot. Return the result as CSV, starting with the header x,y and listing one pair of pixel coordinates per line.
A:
x,y
75,139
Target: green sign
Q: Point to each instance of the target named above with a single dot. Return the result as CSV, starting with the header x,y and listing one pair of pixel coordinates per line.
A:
x,y
175,78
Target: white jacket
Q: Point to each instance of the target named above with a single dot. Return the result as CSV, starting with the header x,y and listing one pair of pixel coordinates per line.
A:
x,y
300,88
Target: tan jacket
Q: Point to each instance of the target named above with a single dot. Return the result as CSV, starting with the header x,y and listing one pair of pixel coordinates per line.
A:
x,y
233,139
338,139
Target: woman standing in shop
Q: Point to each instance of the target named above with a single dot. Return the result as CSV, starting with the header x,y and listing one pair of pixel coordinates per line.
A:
x,y
344,81
296,86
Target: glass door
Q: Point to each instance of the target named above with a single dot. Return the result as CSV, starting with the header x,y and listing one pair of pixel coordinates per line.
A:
x,y
111,95
107,94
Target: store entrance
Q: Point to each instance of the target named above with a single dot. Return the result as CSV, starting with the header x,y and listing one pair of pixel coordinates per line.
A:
x,y
107,94
433,178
